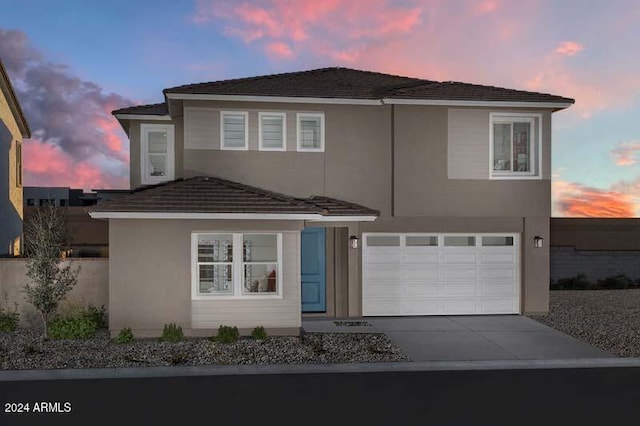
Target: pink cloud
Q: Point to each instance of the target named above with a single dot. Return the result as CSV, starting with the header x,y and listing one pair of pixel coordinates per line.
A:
x,y
569,48
485,6
576,200
625,153
46,164
279,50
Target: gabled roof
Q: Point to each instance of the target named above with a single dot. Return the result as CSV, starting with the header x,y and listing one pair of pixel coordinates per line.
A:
x,y
212,195
345,85
14,105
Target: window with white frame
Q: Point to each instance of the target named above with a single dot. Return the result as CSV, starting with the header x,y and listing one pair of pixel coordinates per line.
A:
x,y
272,131
234,130
157,153
515,145
220,270
310,128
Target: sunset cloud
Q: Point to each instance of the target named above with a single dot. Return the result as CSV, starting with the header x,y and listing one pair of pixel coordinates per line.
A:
x,y
569,48
76,134
279,50
625,153
575,200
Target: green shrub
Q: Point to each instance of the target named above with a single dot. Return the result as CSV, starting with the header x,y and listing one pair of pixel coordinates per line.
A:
x,y
259,333
227,334
125,336
98,315
78,327
619,281
579,282
171,333
9,319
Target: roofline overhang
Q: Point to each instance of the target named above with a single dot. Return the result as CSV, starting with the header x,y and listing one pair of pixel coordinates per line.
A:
x,y
142,117
283,99
312,217
14,105
509,104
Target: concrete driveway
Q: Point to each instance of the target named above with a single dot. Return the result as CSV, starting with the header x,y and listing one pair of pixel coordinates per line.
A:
x,y
465,338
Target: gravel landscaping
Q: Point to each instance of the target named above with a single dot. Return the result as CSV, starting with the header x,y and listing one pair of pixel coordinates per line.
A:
x,y
607,319
25,349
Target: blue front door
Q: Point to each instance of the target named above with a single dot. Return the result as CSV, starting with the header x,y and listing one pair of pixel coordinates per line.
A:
x,y
313,270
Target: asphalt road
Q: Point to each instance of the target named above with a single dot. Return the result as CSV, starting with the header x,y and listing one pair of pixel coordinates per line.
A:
x,y
590,396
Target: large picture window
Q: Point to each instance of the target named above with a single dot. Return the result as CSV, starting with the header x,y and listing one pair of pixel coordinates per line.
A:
x,y
220,270
515,142
157,153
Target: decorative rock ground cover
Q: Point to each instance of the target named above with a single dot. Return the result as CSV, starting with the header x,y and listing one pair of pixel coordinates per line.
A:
x,y
25,349
607,319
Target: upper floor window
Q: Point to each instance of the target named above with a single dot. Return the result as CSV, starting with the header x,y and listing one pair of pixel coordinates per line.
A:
x,y
157,153
515,143
234,130
310,132
272,131
18,164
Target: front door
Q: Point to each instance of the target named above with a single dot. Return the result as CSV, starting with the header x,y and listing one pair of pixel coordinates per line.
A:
x,y
313,270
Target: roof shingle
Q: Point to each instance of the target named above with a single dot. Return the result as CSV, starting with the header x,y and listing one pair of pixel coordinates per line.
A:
x,y
207,194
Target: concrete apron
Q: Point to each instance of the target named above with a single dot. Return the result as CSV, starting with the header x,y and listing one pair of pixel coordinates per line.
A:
x,y
466,338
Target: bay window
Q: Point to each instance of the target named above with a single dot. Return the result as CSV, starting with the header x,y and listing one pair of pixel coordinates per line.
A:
x,y
218,269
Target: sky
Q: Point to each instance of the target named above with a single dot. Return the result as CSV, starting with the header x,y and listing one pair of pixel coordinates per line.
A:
x,y
74,61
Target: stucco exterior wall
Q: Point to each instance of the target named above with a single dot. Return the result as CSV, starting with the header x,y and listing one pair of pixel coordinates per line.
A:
x,y
10,192
92,287
150,284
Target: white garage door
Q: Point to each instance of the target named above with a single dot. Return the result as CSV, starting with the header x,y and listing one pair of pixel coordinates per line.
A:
x,y
440,274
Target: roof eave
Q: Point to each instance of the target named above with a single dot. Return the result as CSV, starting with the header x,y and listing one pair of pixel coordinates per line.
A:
x,y
312,217
458,102
14,105
262,98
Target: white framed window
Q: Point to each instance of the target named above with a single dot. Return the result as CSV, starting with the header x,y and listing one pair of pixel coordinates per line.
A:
x,y
515,145
310,129
234,130
272,131
157,153
236,265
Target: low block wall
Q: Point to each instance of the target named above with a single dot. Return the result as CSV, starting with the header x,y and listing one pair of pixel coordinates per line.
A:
x,y
595,264
92,287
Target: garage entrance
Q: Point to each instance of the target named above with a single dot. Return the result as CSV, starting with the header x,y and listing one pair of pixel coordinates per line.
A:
x,y
440,274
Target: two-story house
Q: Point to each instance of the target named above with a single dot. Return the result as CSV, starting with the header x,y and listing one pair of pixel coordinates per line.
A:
x,y
13,128
337,192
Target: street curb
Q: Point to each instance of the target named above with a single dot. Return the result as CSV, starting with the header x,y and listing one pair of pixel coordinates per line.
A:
x,y
232,370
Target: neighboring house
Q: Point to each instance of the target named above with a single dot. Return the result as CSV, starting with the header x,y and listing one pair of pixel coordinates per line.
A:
x,y
337,192
13,128
596,247
86,237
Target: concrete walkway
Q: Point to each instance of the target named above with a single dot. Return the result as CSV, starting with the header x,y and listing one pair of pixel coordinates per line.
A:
x,y
466,338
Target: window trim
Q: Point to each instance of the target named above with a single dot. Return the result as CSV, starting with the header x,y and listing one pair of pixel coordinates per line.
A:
x,y
237,267
19,164
246,131
145,179
536,160
282,115
299,116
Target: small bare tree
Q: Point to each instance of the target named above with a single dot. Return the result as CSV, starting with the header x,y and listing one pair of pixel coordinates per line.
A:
x,y
51,280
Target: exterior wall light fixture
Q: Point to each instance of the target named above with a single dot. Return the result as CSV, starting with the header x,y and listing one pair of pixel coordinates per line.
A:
x,y
353,242
538,241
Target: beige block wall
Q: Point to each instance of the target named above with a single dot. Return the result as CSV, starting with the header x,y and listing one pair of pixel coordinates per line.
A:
x,y
92,287
12,235
150,285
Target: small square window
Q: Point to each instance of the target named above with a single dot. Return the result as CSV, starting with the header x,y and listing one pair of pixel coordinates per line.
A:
x,y
234,130
311,132
273,131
